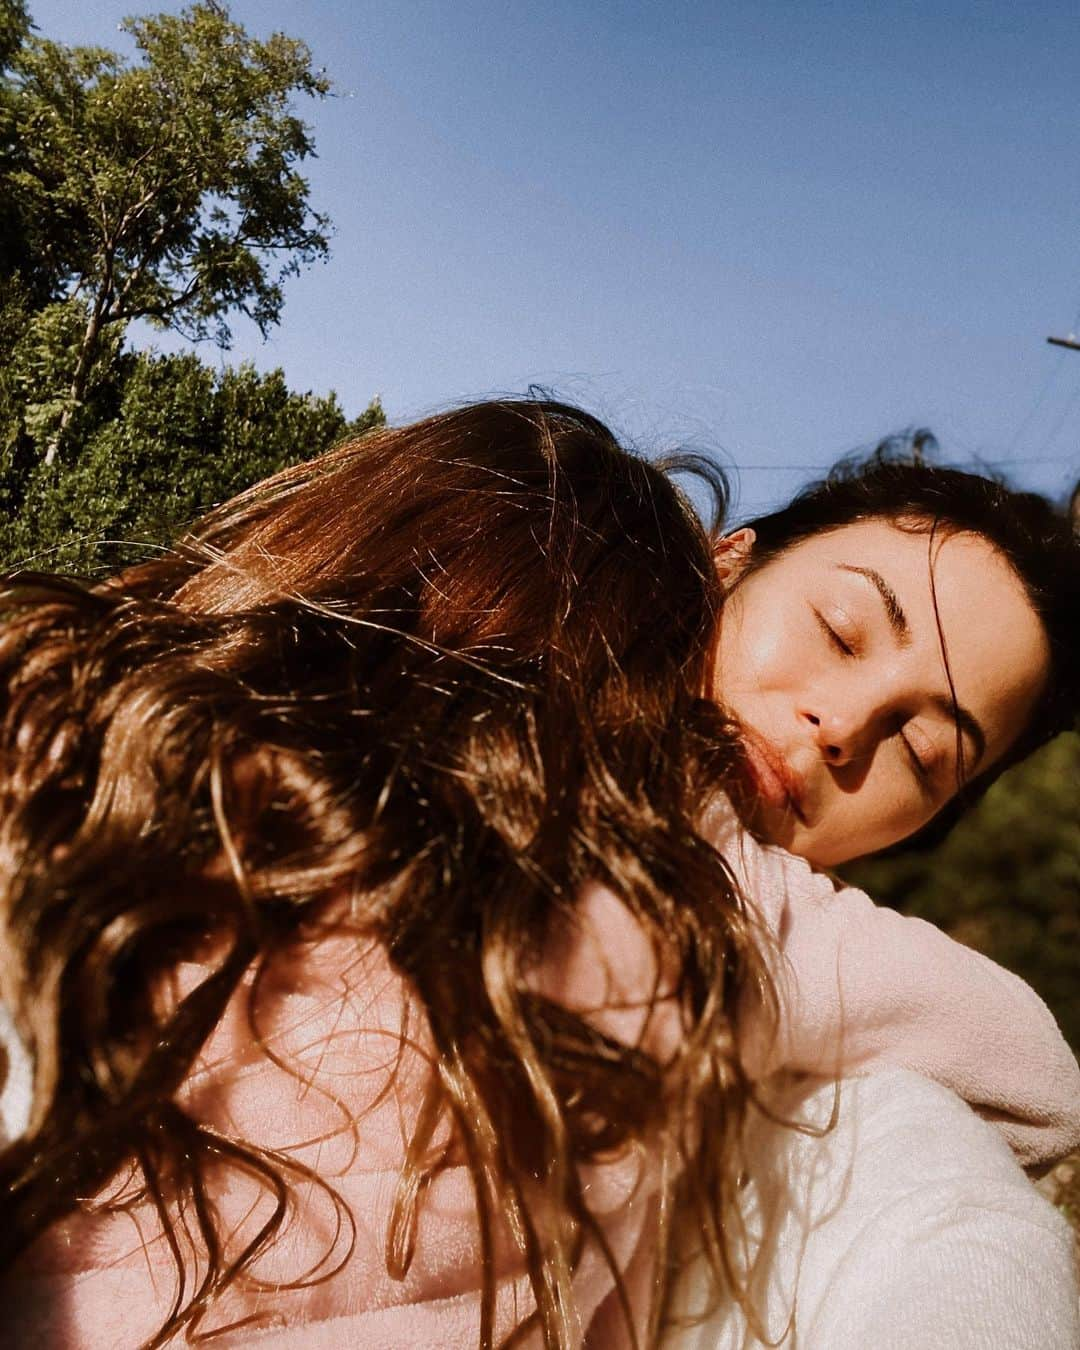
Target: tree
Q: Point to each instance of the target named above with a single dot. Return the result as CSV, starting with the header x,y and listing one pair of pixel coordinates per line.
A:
x,y
173,438
15,257
164,189
14,28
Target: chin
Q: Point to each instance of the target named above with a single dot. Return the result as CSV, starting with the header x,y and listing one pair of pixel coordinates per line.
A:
x,y
794,837
783,829
779,828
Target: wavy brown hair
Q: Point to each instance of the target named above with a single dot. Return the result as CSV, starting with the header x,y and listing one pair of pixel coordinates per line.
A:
x,y
455,671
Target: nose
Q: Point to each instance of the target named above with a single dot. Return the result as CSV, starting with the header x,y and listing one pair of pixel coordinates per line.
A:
x,y
840,735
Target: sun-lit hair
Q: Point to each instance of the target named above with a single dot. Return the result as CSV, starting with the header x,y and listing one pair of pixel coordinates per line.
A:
x,y
453,671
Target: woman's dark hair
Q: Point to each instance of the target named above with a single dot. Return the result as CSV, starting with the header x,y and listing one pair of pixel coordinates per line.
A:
x,y
450,670
900,482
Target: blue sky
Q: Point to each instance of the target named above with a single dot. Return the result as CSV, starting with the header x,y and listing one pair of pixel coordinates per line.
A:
x,y
772,230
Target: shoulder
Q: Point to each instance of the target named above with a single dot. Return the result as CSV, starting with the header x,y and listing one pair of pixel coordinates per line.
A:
x,y
906,1223
941,1240
770,878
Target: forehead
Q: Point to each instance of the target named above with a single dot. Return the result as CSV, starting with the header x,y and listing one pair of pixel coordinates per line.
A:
x,y
958,593
955,564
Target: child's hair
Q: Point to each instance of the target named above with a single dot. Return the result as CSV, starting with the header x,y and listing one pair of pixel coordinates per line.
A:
x,y
899,482
454,671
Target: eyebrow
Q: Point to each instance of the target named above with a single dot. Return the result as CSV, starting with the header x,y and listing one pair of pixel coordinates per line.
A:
x,y
894,611
898,622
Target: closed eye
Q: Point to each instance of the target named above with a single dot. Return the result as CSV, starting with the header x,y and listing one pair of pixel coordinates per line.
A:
x,y
920,770
834,637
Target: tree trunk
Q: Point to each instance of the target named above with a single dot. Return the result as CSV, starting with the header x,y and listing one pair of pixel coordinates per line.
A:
x,y
87,352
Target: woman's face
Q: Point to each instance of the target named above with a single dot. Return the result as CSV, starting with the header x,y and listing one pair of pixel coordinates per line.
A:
x,y
831,658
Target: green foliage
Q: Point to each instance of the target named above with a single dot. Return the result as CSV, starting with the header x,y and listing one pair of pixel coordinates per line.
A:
x,y
182,439
14,28
166,188
15,254
42,362
1007,879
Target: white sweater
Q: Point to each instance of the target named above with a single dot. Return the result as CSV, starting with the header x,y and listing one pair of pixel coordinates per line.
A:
x,y
909,1226
16,1080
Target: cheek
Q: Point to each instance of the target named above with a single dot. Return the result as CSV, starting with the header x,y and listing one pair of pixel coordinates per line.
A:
x,y
881,810
758,648
908,816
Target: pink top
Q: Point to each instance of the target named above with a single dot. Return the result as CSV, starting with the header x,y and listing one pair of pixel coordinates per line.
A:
x,y
863,987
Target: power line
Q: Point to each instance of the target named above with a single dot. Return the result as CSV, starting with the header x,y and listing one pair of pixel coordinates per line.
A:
x,y
1070,343
1069,407
1040,399
1014,461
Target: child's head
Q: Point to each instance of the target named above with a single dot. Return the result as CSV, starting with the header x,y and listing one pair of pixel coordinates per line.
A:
x,y
419,690
893,635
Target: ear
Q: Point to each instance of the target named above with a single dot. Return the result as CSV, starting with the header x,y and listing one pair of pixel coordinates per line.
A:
x,y
731,554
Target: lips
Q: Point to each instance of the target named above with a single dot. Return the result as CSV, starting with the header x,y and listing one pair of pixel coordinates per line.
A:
x,y
772,778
